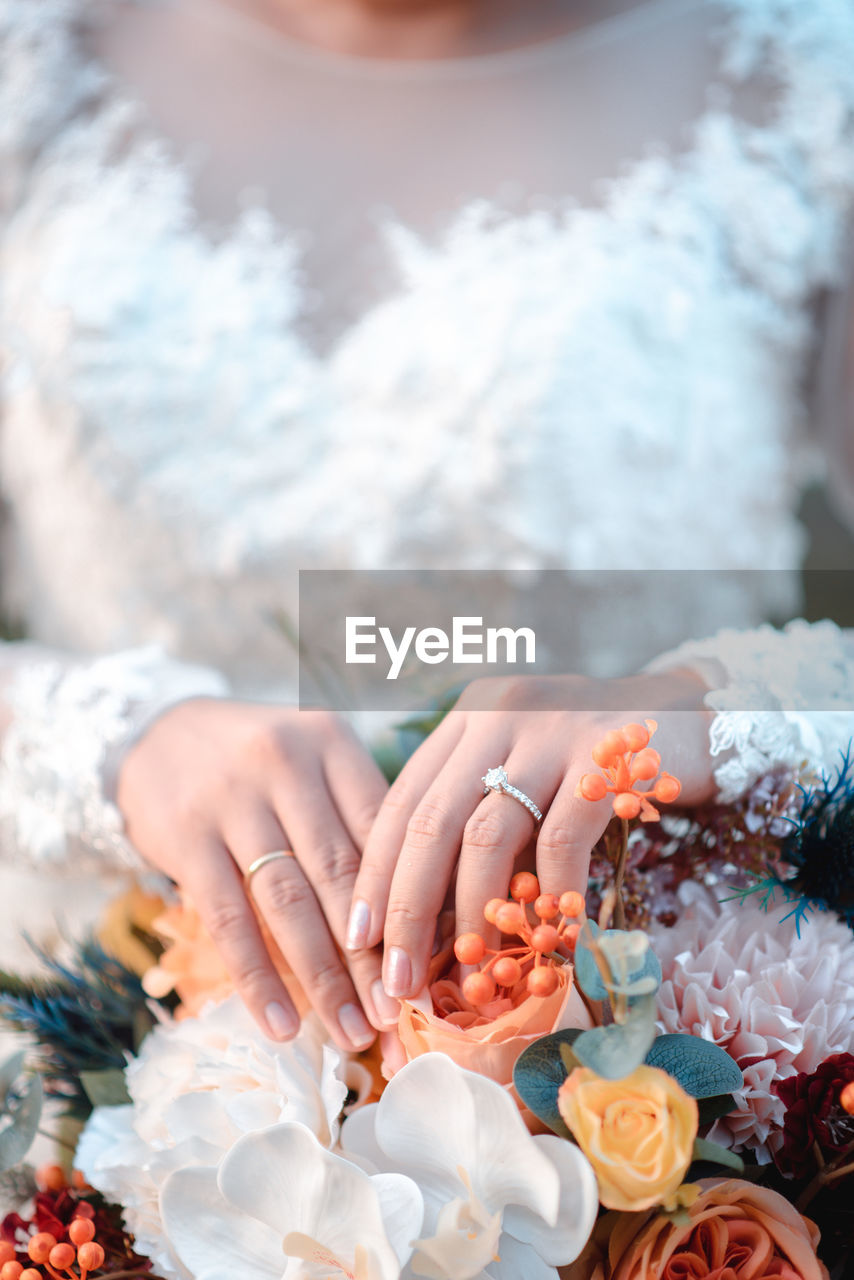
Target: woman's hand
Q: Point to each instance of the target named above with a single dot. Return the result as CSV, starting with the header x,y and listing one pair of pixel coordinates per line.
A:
x,y
211,786
435,820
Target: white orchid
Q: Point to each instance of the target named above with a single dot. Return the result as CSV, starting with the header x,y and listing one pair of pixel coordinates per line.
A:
x,y
282,1207
499,1203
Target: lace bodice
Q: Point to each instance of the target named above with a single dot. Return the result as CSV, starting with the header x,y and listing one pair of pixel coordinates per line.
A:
x,y
173,449
611,380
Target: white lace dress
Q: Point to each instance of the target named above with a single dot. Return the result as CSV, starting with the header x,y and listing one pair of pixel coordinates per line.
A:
x,y
592,357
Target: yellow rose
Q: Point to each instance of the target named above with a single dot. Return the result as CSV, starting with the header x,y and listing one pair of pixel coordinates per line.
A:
x,y
638,1133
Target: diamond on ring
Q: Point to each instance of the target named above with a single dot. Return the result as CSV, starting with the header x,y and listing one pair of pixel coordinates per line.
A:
x,y
496,780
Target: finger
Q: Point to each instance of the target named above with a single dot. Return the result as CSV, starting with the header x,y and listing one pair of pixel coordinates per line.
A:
x,y
330,861
497,833
387,835
292,913
215,886
427,860
570,830
356,785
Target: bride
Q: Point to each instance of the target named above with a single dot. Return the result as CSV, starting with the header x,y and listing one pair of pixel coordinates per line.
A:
x,y
402,283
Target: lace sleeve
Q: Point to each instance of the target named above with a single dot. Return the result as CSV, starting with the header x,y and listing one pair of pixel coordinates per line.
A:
x,y
70,722
782,698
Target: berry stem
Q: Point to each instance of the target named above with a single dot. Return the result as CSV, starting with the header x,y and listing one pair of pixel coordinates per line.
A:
x,y
622,855
827,1173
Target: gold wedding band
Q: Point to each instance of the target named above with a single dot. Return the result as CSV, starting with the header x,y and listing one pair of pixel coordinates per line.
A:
x,y
264,859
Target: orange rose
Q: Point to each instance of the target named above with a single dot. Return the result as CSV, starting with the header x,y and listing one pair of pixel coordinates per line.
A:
x,y
488,1039
638,1133
736,1229
192,966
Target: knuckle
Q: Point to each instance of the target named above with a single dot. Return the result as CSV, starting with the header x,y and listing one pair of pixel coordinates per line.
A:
x,y
326,723
480,693
557,842
337,864
428,824
484,831
364,818
227,920
264,744
403,918
398,798
252,975
324,976
284,897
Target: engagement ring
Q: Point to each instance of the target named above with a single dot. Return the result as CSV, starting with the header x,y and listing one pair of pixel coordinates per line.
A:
x,y
497,780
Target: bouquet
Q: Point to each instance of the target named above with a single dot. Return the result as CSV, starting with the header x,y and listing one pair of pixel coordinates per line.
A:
x,y
655,1081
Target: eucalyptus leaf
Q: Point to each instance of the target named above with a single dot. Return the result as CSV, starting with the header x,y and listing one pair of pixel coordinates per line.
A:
x,y
713,1153
702,1068
20,1119
639,973
615,1051
105,1088
538,1074
10,1069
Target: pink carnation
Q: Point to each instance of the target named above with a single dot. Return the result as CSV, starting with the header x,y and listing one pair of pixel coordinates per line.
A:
x,y
778,1003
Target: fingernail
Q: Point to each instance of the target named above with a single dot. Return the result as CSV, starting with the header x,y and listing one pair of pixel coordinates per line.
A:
x,y
397,978
355,1026
282,1024
388,1010
358,926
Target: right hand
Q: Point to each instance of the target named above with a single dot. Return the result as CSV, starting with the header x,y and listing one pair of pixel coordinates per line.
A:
x,y
210,786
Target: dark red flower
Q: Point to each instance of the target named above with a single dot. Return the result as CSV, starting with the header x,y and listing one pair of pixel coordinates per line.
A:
x,y
814,1115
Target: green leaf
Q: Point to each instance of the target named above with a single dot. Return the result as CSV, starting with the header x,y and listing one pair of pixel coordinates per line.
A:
x,y
706,1152
702,1068
615,1051
105,1088
21,1114
538,1074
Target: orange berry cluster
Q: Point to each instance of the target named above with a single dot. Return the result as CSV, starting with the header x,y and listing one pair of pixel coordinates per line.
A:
x,y
57,1257
626,758
506,967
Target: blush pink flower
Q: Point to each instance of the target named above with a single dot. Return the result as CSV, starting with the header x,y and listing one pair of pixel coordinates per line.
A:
x,y
780,1003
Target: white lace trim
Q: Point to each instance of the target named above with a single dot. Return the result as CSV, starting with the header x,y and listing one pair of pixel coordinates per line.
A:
x,y
70,722
783,698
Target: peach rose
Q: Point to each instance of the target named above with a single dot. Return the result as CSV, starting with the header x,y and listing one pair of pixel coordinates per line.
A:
x,y
638,1133
736,1230
490,1038
192,967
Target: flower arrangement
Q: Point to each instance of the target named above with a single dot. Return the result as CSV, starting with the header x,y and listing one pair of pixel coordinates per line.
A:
x,y
621,1102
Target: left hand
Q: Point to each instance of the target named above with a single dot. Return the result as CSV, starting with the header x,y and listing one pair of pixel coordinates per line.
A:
x,y
435,820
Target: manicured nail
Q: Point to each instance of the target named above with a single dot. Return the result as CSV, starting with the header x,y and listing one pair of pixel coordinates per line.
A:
x,y
355,1026
282,1024
358,926
388,1010
397,978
